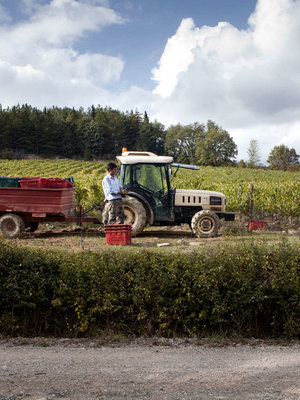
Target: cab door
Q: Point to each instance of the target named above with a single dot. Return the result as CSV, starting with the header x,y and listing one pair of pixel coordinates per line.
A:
x,y
150,180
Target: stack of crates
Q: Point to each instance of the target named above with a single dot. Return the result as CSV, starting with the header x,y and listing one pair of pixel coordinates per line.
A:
x,y
38,182
256,225
118,234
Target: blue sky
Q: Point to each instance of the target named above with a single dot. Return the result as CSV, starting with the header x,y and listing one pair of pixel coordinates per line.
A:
x,y
142,39
236,62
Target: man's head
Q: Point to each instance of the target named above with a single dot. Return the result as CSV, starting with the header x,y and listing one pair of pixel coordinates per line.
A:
x,y
112,168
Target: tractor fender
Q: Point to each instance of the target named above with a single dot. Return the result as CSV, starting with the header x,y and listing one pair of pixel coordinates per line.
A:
x,y
146,204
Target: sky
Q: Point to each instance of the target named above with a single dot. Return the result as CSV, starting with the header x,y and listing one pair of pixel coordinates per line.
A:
x,y
235,62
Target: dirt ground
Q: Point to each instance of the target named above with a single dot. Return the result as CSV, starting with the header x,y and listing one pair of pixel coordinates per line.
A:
x,y
73,238
45,369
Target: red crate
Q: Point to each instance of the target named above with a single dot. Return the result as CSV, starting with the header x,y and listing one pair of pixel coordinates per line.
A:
x,y
117,227
118,234
256,225
59,183
29,183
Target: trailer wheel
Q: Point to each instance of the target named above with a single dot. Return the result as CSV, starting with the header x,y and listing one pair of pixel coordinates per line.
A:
x,y
205,224
134,214
32,226
11,225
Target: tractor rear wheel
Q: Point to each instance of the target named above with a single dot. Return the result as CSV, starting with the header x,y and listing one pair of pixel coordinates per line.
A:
x,y
11,225
205,224
134,214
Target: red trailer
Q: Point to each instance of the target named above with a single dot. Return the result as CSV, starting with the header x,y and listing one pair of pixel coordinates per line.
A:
x,y
24,208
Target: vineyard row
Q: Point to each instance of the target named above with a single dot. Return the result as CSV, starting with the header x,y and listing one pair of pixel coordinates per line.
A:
x,y
275,192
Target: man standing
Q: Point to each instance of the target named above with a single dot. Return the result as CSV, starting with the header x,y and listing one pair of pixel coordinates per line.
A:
x,y
113,212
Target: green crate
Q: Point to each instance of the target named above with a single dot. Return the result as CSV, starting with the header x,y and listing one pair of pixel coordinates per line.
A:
x,y
6,181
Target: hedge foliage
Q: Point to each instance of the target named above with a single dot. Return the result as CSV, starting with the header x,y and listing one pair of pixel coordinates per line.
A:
x,y
246,289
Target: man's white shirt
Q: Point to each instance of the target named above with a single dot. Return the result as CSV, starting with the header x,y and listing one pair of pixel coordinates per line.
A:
x,y
111,187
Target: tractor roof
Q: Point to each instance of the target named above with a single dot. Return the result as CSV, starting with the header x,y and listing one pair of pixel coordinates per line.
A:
x,y
136,157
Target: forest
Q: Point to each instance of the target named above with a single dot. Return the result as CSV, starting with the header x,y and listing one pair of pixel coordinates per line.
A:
x,y
95,133
100,133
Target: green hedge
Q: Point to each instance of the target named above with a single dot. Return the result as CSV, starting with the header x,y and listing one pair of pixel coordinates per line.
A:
x,y
248,289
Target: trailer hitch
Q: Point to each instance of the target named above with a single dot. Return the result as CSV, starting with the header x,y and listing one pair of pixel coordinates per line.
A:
x,y
98,206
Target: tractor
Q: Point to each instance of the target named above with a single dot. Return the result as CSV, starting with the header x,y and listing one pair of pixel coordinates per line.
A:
x,y
150,200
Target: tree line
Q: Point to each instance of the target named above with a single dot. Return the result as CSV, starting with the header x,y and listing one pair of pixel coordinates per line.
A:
x,y
96,133
101,133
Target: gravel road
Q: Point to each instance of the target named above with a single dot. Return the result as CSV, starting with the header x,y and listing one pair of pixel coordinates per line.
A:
x,y
147,369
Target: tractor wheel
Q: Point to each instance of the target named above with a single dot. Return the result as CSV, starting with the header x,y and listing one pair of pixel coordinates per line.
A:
x,y
205,224
135,214
11,225
32,226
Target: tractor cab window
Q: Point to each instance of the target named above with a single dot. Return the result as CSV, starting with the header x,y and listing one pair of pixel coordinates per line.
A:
x,y
125,176
151,177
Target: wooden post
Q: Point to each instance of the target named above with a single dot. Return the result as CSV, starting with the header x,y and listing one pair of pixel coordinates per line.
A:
x,y
251,201
80,210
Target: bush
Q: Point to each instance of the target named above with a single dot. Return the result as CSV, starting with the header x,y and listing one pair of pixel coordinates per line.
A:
x,y
6,155
249,289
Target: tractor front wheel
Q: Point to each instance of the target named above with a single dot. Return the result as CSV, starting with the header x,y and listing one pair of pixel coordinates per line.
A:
x,y
135,214
11,225
205,224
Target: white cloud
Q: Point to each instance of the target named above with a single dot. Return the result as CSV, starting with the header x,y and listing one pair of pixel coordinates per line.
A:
x,y
267,136
269,15
38,59
179,53
57,24
28,85
246,80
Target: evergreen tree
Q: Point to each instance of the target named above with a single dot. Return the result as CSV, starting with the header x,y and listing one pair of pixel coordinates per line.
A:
x,y
114,132
4,130
133,123
93,139
143,141
158,137
49,136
